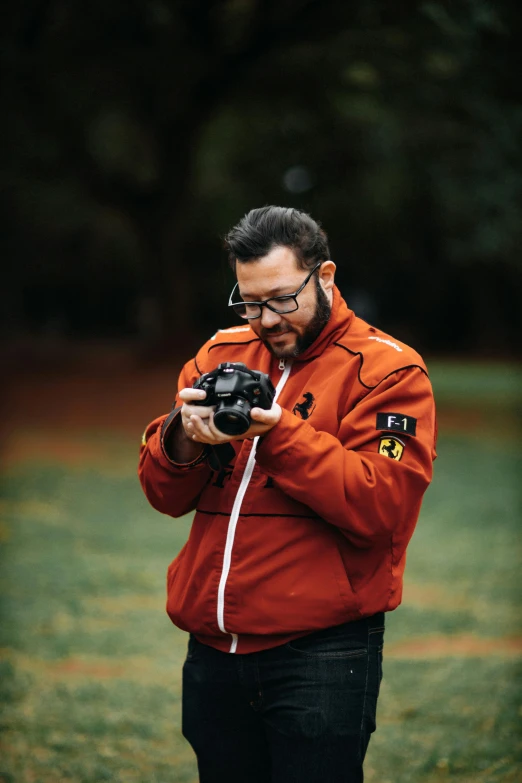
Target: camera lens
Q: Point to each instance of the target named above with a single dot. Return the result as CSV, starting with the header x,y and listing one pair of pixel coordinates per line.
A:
x,y
233,418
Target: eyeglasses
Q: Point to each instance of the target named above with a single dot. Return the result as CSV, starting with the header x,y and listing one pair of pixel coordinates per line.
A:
x,y
278,304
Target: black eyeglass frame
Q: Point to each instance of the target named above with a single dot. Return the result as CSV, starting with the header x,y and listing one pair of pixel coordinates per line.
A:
x,y
272,299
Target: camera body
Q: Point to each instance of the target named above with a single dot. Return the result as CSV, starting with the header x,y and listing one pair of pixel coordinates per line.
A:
x,y
235,390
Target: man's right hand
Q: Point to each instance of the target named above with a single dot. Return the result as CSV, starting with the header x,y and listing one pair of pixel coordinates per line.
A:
x,y
188,409
180,444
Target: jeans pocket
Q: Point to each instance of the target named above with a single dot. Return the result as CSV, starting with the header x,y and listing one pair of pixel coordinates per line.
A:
x,y
325,645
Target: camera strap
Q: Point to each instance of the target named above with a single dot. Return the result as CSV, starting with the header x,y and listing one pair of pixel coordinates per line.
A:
x,y
220,456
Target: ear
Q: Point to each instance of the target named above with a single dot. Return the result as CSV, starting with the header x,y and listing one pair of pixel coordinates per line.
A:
x,y
327,275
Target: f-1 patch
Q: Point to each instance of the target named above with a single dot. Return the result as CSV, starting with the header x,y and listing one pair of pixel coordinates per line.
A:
x,y
397,421
391,447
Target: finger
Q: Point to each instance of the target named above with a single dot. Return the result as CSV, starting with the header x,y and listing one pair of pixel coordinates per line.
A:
x,y
269,417
188,428
188,395
192,410
216,433
203,411
200,430
207,432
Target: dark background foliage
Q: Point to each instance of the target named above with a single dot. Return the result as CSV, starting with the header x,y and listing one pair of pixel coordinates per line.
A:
x,y
135,134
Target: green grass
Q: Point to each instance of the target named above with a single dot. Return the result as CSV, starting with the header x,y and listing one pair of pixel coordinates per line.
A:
x,y
467,544
477,383
91,662
91,665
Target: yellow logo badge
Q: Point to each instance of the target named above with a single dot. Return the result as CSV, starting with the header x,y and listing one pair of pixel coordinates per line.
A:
x,y
391,447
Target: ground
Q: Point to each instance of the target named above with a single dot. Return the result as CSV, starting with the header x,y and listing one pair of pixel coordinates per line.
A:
x,y
91,664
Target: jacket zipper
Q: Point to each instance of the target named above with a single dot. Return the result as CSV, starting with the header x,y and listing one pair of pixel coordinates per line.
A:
x,y
234,516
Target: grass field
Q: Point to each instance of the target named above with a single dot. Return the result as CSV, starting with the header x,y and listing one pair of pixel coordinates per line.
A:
x,y
90,668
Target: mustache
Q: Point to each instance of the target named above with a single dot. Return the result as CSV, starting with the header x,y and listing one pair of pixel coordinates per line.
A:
x,y
275,331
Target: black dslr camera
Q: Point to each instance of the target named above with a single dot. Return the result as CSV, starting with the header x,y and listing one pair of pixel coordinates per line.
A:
x,y
235,390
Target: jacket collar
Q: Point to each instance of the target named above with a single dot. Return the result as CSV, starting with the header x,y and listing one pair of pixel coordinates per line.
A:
x,y
339,321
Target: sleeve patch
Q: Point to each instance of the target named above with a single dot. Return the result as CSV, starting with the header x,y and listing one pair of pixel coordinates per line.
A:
x,y
391,447
398,422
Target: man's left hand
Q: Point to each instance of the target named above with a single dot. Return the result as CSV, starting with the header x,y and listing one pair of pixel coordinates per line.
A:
x,y
205,431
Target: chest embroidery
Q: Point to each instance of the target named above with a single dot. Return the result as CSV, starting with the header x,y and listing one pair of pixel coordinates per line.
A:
x,y
305,408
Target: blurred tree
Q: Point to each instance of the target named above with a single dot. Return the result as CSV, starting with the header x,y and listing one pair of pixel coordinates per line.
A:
x,y
409,143
135,133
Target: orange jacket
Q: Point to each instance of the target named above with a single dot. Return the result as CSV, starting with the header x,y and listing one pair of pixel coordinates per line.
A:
x,y
309,526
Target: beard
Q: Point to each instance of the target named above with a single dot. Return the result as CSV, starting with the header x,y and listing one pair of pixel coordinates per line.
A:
x,y
312,331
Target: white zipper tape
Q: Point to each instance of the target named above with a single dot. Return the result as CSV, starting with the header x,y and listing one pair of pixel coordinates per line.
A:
x,y
234,516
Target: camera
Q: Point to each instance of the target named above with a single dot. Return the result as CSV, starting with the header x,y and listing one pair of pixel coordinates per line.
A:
x,y
235,390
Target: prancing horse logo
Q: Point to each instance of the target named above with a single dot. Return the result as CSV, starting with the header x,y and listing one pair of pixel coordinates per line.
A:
x,y
306,408
391,447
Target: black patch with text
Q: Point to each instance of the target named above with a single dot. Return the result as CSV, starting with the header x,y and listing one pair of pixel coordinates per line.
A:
x,y
398,422
305,408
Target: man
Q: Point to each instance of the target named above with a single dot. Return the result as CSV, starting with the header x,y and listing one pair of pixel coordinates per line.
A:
x,y
297,548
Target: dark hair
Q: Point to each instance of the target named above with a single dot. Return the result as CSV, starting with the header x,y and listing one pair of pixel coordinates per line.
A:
x,y
263,229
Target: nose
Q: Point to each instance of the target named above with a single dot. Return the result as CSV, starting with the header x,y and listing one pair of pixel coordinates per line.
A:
x,y
269,319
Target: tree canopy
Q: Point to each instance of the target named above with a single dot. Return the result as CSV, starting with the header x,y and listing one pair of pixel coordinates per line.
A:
x,y
136,133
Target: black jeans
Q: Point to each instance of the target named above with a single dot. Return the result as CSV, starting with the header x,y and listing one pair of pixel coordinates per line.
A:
x,y
302,712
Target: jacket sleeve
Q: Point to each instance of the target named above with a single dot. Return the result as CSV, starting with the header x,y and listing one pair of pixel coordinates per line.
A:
x,y
170,487
345,479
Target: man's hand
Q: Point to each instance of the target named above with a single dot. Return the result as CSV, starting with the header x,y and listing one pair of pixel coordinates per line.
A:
x,y
198,420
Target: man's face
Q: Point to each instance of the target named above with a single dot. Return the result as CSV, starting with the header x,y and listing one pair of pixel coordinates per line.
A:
x,y
276,274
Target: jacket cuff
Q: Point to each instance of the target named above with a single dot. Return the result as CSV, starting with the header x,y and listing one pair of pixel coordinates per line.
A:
x,y
168,425
274,451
